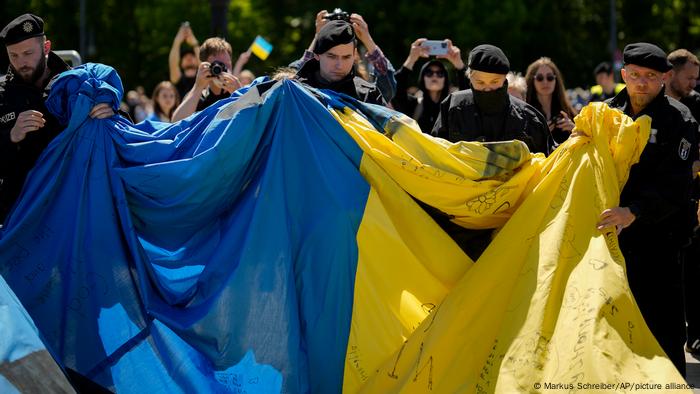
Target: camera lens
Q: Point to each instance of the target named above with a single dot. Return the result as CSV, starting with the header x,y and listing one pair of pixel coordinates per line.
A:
x,y
217,68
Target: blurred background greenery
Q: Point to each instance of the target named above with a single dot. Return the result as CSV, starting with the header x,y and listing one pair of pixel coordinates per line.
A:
x,y
135,36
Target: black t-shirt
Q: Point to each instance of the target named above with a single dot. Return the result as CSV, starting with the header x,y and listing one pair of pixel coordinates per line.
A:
x,y
184,85
208,98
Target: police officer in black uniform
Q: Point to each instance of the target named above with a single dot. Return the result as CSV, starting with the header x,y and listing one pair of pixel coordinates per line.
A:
x,y
686,67
333,64
651,215
486,112
26,127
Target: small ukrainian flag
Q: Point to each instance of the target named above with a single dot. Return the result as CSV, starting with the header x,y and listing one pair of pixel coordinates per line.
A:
x,y
261,48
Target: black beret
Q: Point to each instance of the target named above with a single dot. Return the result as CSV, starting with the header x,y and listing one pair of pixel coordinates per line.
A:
x,y
646,55
21,28
490,59
333,33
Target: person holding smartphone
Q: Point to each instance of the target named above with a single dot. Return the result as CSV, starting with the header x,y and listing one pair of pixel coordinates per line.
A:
x,y
433,82
546,92
182,65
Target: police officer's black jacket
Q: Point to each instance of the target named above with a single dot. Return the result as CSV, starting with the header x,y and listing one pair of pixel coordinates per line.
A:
x,y
16,160
351,85
461,120
692,101
658,188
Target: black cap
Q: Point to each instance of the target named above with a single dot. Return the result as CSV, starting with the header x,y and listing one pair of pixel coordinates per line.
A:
x,y
490,59
21,28
646,55
333,33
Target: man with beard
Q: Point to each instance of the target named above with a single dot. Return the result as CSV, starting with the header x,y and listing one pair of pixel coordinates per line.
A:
x,y
683,79
652,216
26,127
684,75
333,64
486,112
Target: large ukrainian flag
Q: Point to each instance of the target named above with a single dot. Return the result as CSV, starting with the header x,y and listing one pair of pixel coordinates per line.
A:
x,y
273,242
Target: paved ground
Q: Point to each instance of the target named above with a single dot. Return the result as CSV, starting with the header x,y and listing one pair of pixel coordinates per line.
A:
x,y
692,371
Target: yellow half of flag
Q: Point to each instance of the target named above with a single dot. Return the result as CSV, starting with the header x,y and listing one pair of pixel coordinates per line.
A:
x,y
261,48
547,302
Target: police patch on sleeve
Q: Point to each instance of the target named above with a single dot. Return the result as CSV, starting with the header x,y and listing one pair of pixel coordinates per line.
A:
x,y
684,149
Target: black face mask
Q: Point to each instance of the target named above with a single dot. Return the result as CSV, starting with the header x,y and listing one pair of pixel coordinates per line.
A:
x,y
492,102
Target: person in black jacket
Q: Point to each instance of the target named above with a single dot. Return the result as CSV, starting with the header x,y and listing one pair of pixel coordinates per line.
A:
x,y
486,112
681,84
433,81
333,64
26,127
652,216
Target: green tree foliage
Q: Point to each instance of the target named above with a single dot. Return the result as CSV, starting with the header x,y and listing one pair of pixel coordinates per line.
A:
x,y
135,36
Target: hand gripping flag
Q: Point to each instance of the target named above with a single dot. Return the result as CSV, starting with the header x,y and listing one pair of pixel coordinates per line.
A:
x,y
273,242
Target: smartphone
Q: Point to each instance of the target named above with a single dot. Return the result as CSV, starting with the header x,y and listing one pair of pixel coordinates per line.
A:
x,y
435,47
185,24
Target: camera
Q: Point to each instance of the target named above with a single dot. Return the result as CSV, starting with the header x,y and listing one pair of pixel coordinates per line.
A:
x,y
217,68
338,15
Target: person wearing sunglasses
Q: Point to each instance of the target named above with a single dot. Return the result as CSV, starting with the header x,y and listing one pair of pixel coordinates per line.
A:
x,y
433,82
652,216
546,92
486,112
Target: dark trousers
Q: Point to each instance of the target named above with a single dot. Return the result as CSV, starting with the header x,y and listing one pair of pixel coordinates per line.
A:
x,y
654,273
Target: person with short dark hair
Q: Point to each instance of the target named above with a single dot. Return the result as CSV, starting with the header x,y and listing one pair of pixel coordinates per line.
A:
x,y
333,64
651,216
681,86
683,79
26,126
606,87
214,78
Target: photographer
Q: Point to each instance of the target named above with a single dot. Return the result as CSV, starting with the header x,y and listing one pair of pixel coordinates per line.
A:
x,y
382,69
214,81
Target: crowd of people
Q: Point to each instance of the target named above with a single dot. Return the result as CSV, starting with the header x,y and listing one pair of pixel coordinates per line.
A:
x,y
480,99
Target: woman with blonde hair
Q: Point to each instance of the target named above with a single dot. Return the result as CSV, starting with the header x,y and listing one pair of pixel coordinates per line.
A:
x,y
546,92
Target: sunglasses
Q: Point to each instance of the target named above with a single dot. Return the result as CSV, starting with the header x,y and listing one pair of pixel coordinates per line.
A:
x,y
438,73
540,77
